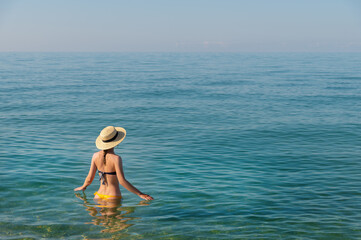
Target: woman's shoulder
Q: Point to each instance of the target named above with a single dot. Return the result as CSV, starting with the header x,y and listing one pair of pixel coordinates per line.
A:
x,y
96,154
114,156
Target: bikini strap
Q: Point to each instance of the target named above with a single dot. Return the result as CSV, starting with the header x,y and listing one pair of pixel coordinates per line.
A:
x,y
102,178
109,173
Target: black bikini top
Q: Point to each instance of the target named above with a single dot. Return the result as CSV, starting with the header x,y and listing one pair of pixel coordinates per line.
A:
x,y
102,179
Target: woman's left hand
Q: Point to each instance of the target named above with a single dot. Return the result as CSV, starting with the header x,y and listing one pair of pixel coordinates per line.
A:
x,y
146,197
80,188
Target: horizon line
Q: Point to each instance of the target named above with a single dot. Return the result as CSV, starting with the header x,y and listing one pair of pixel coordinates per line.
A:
x,y
180,51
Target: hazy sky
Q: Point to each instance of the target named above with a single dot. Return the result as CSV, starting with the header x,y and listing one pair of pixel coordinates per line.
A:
x,y
180,25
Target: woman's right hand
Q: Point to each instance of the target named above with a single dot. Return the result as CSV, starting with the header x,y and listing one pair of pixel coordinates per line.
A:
x,y
146,197
82,188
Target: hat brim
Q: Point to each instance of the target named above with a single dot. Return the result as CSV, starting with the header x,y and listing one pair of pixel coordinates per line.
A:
x,y
108,145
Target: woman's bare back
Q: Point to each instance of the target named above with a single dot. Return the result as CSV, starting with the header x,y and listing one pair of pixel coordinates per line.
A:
x,y
109,185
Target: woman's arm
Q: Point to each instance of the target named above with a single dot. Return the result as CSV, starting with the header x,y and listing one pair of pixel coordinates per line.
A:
x,y
89,179
127,185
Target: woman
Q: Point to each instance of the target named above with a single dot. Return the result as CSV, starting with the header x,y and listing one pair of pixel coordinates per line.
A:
x,y
109,166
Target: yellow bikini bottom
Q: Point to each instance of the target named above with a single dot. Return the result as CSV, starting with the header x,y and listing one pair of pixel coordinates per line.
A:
x,y
103,196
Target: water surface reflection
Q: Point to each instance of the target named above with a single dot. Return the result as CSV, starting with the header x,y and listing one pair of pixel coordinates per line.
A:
x,y
109,214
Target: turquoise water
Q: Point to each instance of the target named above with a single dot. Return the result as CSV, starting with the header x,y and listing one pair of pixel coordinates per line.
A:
x,y
231,146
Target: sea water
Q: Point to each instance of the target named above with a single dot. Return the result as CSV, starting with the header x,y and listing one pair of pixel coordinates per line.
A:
x,y
230,145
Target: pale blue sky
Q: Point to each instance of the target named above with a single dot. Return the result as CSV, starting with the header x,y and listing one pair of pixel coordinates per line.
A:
x,y
182,25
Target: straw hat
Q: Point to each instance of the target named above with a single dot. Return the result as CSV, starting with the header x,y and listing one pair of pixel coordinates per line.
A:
x,y
110,137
